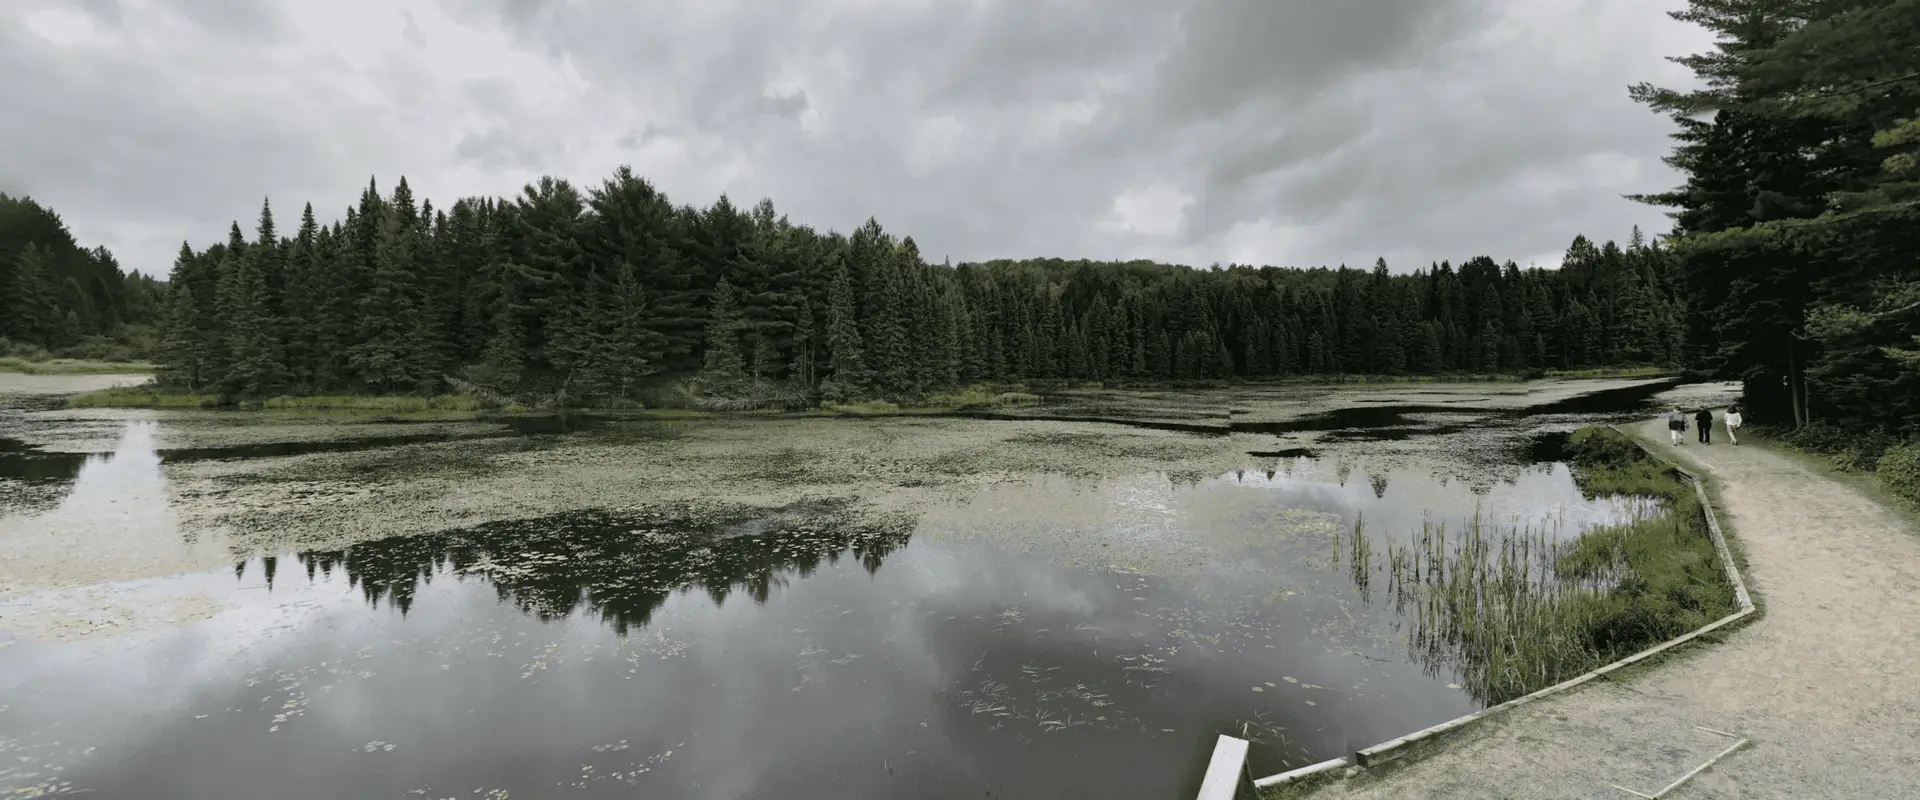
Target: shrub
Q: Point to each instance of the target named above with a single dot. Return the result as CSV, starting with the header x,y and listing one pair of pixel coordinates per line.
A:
x,y
870,408
1598,446
1852,449
1899,470
981,396
143,396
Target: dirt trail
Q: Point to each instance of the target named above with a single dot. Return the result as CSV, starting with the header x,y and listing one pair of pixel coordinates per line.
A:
x,y
1826,684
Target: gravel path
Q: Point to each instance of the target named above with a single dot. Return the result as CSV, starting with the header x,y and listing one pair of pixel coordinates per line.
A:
x,y
1826,684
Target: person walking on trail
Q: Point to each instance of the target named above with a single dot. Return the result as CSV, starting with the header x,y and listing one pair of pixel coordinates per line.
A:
x,y
1703,419
1733,423
1676,425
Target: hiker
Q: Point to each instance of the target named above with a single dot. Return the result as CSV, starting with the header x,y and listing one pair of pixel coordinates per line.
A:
x,y
1676,425
1733,423
1703,419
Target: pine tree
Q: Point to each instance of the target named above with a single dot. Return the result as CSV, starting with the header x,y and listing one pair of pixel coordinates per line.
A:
x,y
801,368
180,356
258,364
34,314
724,368
849,380
385,358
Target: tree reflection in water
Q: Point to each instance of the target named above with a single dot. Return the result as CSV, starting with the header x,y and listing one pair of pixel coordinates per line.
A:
x,y
619,565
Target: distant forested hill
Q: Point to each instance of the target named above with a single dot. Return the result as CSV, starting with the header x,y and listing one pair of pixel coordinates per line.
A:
x,y
58,297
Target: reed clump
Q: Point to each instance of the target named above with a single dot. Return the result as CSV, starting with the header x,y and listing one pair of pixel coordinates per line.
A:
x,y
1517,608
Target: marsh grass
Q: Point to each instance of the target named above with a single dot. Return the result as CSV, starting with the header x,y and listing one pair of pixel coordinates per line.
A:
x,y
72,366
982,396
399,404
144,396
1516,608
147,396
1610,372
870,408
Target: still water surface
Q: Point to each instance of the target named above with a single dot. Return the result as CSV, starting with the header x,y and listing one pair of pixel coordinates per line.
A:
x,y
610,654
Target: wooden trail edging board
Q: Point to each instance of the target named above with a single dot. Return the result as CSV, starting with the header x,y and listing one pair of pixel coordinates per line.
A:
x,y
1395,748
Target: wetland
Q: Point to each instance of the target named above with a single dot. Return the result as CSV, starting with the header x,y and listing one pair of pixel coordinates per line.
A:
x,y
1067,599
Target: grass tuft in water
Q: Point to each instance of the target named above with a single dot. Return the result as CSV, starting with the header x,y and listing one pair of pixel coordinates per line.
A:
x,y
1514,609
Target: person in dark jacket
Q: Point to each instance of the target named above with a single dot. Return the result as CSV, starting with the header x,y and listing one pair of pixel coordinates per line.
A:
x,y
1703,419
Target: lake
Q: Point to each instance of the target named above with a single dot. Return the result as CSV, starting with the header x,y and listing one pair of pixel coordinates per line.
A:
x,y
1048,630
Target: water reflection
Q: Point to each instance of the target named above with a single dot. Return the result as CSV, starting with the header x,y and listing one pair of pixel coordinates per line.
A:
x,y
23,462
620,566
116,519
950,673
1396,503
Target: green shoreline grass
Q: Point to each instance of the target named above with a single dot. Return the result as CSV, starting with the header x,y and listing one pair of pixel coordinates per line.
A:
x,y
72,366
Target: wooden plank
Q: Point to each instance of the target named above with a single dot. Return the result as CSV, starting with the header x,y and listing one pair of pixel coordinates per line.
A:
x,y
1226,771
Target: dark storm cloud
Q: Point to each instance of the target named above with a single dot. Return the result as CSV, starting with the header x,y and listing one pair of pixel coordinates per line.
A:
x,y
1230,52
1203,130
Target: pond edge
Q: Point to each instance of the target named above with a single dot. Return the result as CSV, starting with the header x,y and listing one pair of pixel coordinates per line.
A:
x,y
1395,748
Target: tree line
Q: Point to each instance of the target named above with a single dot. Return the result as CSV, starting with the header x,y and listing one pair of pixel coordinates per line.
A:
x,y
56,296
1796,230
563,296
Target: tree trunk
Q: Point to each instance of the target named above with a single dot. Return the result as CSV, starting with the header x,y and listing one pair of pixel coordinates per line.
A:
x,y
1793,383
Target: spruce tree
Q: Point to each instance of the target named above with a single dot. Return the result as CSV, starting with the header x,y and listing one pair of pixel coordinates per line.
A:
x,y
801,368
724,368
258,362
849,380
385,358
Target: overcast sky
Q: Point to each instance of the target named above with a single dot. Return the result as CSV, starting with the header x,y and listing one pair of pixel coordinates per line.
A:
x,y
1288,132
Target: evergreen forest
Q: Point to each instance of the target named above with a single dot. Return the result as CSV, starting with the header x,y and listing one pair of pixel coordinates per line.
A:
x,y
56,296
1797,230
1791,268
569,297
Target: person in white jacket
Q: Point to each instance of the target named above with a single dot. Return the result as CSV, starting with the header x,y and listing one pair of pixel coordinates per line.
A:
x,y
1733,421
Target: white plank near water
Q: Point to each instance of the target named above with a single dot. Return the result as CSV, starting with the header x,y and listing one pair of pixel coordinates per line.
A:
x,y
1226,771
